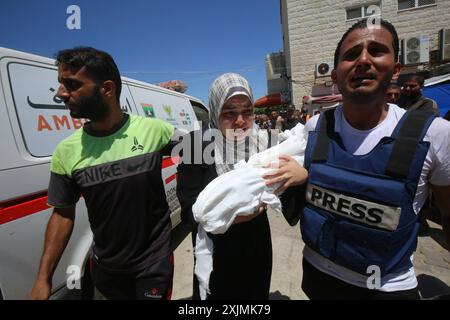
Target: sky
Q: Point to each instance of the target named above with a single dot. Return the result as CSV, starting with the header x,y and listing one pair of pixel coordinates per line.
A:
x,y
155,40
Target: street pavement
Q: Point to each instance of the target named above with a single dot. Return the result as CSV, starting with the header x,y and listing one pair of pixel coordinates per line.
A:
x,y
431,260
432,264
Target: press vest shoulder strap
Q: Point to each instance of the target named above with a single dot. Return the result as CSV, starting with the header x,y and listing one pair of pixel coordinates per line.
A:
x,y
417,104
409,132
325,130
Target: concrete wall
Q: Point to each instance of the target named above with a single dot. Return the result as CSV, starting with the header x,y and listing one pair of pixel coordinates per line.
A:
x,y
312,29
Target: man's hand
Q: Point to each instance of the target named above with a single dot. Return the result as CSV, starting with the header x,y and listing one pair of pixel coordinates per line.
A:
x,y
289,174
57,235
41,290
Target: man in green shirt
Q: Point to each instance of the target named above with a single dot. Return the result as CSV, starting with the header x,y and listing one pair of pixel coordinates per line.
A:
x,y
114,162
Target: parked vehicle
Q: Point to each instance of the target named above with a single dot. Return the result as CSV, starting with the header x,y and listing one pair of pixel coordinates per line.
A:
x,y
32,122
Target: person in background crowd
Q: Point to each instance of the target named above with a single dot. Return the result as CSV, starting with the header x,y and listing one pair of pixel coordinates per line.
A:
x,y
276,121
393,93
412,98
290,121
257,119
297,116
265,122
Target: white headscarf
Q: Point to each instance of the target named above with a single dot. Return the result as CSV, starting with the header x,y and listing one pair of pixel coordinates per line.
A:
x,y
227,153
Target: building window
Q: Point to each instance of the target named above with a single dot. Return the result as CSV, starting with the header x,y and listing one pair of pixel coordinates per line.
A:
x,y
367,10
411,4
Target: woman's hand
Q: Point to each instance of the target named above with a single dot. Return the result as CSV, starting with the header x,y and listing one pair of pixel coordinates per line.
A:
x,y
289,173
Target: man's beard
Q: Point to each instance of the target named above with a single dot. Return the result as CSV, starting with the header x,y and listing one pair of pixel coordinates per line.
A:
x,y
92,107
413,96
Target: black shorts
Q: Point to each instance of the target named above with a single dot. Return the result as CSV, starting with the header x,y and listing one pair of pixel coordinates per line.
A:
x,y
152,283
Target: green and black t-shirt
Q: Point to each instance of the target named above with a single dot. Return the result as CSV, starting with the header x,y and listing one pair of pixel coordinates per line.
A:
x,y
119,176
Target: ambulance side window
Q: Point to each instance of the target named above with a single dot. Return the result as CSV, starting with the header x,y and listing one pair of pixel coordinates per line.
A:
x,y
200,111
44,119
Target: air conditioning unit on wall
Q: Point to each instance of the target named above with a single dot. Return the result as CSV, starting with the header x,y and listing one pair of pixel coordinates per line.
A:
x,y
415,50
324,69
444,45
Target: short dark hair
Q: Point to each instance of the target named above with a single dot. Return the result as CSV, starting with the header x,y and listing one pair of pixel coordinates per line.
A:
x,y
363,24
99,64
393,86
417,78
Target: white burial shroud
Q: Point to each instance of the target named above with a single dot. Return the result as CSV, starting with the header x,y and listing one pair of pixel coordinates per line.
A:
x,y
239,192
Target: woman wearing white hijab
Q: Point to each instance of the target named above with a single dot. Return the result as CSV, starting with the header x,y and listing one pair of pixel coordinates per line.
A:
x,y
242,256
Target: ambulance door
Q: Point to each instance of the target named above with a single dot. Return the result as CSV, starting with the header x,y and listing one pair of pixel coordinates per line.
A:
x,y
37,120
176,110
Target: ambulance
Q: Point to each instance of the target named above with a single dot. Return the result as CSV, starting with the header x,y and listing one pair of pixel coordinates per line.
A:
x,y
33,120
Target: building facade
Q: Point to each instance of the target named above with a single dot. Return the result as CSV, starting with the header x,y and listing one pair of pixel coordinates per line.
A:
x,y
312,29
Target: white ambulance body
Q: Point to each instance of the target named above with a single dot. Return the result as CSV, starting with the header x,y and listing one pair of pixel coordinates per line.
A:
x,y
32,122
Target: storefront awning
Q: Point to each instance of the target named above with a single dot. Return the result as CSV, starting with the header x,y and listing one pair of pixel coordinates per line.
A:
x,y
335,98
275,99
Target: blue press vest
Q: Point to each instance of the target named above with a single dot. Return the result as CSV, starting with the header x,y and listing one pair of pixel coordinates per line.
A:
x,y
359,209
